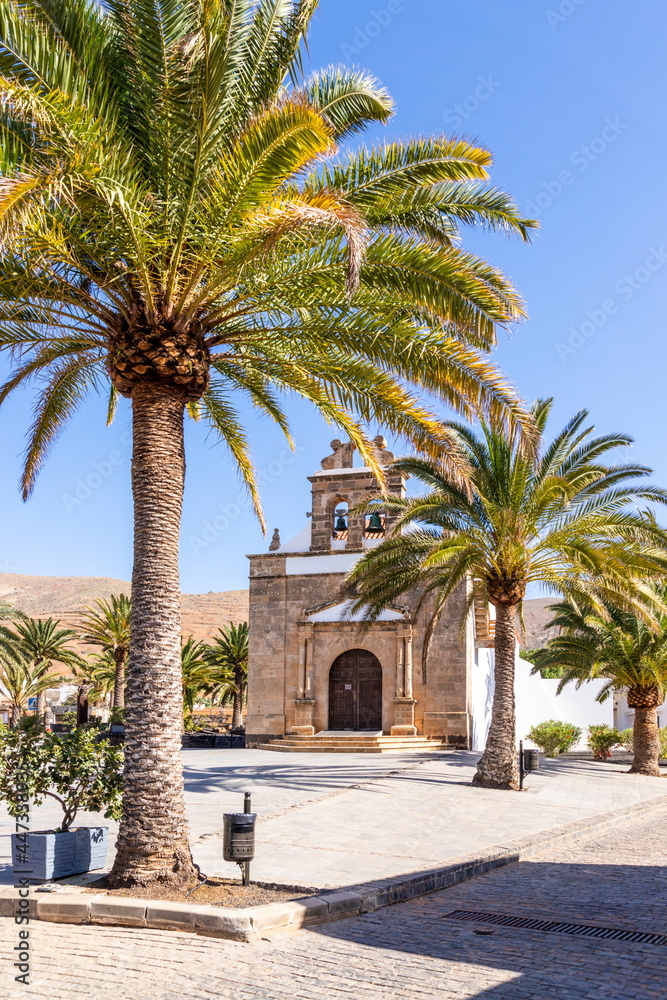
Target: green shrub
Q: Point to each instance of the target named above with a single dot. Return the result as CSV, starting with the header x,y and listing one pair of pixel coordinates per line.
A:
x,y
76,769
626,740
601,739
554,737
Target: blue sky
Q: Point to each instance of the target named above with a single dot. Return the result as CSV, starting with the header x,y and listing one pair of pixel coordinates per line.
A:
x,y
569,97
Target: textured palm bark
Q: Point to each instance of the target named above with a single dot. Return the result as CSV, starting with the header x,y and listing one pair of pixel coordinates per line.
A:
x,y
237,712
153,839
498,766
119,656
16,716
646,743
41,706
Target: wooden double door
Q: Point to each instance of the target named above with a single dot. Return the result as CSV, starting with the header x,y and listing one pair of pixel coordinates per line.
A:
x,y
355,691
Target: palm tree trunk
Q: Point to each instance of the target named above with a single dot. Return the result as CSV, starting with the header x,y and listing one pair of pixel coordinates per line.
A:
x,y
41,706
16,716
646,743
153,838
498,767
119,656
237,712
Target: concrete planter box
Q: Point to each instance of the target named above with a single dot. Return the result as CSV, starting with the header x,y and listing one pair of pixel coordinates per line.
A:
x,y
52,855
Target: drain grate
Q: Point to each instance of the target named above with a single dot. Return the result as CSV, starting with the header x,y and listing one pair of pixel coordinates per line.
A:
x,y
557,927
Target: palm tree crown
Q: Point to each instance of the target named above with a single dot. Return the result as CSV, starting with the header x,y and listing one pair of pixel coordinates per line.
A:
x,y
166,217
195,673
108,626
565,520
41,643
22,681
228,657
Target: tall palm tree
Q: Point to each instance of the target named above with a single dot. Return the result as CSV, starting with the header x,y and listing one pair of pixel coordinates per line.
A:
x,y
620,647
176,222
227,655
20,681
565,521
108,626
42,644
195,671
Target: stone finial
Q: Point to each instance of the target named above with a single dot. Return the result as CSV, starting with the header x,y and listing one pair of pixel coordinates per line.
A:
x,y
342,457
385,457
275,541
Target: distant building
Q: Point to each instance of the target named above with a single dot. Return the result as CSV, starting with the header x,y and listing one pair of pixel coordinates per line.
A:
x,y
311,669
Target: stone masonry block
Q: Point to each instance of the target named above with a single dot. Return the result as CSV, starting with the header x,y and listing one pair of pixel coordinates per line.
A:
x,y
273,916
308,911
66,909
170,916
218,921
124,912
343,904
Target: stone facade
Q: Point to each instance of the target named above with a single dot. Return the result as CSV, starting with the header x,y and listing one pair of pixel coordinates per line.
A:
x,y
299,624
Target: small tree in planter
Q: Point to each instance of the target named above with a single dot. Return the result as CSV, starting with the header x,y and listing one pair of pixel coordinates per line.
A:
x,y
77,770
601,739
554,737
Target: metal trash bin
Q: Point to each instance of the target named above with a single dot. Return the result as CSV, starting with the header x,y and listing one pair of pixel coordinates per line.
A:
x,y
238,843
531,761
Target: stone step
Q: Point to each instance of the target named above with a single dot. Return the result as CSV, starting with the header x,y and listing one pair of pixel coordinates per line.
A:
x,y
344,744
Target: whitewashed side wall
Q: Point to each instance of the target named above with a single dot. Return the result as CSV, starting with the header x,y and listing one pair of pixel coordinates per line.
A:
x,y
481,696
536,701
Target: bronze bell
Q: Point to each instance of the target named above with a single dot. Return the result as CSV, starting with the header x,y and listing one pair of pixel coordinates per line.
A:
x,y
375,525
340,524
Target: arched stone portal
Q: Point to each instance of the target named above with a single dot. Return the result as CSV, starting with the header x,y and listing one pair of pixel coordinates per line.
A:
x,y
355,691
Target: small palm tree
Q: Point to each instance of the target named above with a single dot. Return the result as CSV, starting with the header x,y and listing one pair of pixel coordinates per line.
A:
x,y
178,228
620,647
566,521
9,613
228,658
108,626
20,681
196,673
42,644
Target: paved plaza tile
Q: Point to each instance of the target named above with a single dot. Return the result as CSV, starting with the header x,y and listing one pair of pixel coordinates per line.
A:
x,y
329,820
407,952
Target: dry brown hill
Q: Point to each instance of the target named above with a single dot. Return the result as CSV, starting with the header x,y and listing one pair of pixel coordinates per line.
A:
x,y
536,616
65,597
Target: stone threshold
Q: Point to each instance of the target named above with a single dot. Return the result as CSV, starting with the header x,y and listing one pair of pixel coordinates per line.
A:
x,y
255,922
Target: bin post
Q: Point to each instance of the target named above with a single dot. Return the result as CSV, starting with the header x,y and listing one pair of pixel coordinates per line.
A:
x,y
521,768
246,864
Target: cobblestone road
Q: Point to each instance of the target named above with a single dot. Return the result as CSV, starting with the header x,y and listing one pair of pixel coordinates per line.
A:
x,y
411,951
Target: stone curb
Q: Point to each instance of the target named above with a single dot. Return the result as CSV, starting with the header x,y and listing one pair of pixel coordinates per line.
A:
x,y
255,922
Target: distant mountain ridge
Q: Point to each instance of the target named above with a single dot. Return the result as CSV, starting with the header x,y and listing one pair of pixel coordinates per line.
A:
x,y
66,597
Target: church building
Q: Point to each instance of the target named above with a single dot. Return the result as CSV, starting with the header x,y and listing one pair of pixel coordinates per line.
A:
x,y
313,670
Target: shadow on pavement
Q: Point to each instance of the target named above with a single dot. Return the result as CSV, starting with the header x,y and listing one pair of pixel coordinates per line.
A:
x,y
540,964
298,775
